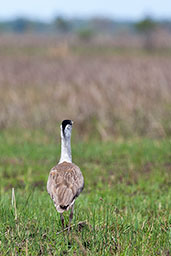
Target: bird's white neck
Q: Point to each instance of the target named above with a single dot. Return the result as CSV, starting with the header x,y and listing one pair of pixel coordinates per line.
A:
x,y
65,150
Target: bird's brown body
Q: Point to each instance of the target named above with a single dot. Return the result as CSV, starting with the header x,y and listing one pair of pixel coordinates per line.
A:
x,y
65,183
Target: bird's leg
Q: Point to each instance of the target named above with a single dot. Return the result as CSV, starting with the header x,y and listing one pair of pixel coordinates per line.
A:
x,y
62,220
70,217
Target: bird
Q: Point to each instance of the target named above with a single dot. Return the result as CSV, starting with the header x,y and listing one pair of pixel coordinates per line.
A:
x,y
65,181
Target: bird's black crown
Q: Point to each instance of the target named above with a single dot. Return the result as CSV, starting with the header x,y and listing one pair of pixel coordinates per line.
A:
x,y
64,124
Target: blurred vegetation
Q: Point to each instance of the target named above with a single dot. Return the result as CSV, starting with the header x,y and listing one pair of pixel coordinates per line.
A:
x,y
147,26
96,71
110,87
97,24
24,25
62,25
85,34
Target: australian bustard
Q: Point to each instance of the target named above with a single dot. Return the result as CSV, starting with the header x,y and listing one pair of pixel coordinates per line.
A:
x,y
65,181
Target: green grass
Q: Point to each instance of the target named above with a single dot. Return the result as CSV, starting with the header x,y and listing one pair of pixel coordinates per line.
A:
x,y
126,201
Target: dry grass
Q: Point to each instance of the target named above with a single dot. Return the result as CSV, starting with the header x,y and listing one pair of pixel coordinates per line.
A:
x,y
43,81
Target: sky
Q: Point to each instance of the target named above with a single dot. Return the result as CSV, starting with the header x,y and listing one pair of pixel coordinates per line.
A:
x,y
48,9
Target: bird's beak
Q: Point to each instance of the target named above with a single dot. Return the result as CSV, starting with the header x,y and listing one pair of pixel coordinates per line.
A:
x,y
72,121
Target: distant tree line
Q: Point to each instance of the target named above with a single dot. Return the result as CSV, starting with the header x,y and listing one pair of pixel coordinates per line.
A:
x,y
84,27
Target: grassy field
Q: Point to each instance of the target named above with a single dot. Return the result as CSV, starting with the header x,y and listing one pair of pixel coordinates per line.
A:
x,y
124,208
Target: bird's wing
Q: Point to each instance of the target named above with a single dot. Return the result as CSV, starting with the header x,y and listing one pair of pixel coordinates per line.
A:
x,y
64,184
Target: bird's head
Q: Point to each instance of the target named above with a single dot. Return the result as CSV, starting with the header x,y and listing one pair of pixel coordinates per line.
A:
x,y
66,128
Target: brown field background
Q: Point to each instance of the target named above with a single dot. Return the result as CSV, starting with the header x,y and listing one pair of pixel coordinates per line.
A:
x,y
110,88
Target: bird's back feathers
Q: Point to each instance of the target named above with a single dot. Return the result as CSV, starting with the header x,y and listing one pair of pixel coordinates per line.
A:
x,y
64,184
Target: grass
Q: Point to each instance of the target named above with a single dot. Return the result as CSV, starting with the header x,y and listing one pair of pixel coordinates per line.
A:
x,y
126,201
